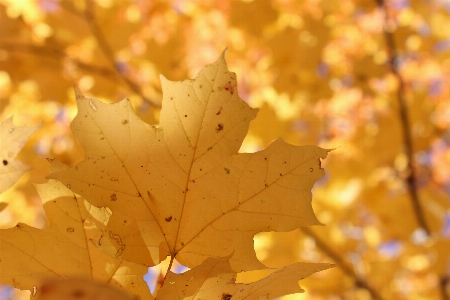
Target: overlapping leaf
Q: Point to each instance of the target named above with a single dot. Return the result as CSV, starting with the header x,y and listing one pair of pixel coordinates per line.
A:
x,y
182,189
214,279
64,249
79,289
12,139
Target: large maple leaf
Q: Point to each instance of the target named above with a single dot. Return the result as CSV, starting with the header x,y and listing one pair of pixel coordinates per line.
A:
x,y
182,189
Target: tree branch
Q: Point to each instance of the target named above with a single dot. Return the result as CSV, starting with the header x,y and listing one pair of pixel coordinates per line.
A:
x,y
360,282
411,179
54,54
89,16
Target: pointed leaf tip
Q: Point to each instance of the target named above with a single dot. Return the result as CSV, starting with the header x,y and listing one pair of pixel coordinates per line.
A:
x,y
222,57
162,77
78,94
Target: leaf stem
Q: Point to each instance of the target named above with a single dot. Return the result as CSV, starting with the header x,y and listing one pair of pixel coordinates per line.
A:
x,y
360,282
165,276
168,269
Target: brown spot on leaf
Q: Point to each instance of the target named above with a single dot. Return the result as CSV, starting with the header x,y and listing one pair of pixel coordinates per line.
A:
x,y
220,111
228,87
113,197
168,219
125,122
226,296
78,294
219,127
227,170
45,289
70,229
5,162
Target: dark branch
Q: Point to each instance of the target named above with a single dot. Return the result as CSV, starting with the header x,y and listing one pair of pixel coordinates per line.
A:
x,y
411,179
360,282
89,16
55,54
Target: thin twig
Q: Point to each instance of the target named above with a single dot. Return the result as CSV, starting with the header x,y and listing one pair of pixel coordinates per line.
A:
x,y
89,16
411,179
55,54
360,282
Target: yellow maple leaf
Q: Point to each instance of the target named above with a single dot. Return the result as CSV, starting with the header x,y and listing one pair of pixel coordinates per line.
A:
x,y
12,139
182,189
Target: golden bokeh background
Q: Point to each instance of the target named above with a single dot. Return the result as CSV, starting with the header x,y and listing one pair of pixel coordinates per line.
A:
x,y
367,77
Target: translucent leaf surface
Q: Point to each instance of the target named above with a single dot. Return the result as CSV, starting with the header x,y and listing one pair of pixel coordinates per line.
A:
x,y
78,289
63,249
214,279
12,139
182,189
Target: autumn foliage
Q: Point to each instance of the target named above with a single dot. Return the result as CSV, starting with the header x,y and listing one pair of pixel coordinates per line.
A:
x,y
185,174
